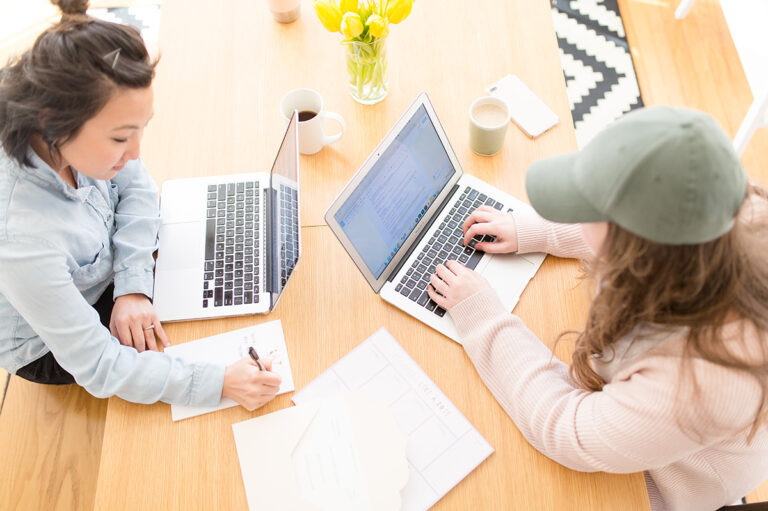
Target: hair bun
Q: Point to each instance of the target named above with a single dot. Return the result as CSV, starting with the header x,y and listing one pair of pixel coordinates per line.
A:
x,y
71,6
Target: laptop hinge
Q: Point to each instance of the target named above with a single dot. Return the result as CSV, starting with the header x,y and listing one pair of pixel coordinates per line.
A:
x,y
266,250
426,229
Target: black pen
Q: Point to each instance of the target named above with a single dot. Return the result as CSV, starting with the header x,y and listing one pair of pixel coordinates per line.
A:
x,y
255,357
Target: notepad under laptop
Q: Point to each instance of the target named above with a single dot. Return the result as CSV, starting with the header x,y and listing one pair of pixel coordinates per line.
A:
x,y
229,244
402,214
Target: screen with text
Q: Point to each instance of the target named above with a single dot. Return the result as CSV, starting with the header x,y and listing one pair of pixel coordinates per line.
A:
x,y
385,207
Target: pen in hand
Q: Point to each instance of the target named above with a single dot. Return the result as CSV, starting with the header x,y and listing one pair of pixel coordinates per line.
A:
x,y
255,357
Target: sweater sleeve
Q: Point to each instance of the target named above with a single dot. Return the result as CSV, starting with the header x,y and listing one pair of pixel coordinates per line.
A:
x,y
535,234
630,425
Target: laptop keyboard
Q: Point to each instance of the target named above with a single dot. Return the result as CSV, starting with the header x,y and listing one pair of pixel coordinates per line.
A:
x,y
231,273
289,232
447,243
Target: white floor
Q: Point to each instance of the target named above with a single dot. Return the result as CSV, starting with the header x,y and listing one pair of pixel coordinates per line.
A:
x,y
748,23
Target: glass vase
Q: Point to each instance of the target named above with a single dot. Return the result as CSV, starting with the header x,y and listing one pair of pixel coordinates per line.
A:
x,y
367,68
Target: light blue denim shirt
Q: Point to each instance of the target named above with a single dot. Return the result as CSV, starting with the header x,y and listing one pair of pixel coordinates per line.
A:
x,y
59,249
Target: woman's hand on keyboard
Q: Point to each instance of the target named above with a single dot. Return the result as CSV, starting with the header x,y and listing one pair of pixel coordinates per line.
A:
x,y
487,221
249,386
453,282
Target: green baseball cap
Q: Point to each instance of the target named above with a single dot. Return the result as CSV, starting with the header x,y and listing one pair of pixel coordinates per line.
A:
x,y
669,175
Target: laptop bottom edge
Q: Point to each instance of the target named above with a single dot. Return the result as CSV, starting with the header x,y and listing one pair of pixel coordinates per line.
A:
x,y
508,273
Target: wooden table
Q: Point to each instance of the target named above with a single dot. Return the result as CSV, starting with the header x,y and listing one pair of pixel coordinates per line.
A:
x,y
224,68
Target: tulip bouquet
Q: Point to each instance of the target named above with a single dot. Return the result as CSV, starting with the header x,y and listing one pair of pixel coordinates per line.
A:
x,y
365,26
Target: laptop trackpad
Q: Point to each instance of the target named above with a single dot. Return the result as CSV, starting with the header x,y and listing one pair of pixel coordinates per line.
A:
x,y
180,246
509,274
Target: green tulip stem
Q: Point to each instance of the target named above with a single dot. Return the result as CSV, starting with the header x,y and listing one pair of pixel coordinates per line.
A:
x,y
367,68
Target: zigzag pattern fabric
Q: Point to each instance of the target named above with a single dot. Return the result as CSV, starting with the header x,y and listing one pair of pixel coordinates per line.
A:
x,y
145,17
599,74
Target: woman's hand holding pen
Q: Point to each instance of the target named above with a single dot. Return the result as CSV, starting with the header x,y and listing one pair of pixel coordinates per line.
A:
x,y
246,384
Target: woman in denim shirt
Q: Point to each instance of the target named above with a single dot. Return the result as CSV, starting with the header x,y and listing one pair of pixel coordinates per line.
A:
x,y
79,221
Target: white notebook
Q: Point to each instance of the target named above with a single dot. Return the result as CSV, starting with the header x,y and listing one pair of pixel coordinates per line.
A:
x,y
268,341
443,447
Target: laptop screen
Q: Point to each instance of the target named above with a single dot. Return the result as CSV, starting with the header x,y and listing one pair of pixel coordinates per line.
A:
x,y
383,210
284,229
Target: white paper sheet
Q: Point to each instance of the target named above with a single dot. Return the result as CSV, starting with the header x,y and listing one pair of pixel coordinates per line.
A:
x,y
268,341
327,463
443,447
344,453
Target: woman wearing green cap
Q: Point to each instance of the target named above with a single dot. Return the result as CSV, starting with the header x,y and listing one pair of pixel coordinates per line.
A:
x,y
670,374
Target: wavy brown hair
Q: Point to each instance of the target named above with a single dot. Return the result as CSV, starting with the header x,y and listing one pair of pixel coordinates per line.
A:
x,y
701,287
66,78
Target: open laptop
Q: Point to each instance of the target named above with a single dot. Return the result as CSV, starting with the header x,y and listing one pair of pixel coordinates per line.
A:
x,y
402,214
229,244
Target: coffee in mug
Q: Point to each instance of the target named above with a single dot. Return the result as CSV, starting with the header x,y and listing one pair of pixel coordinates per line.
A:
x,y
306,115
309,104
490,115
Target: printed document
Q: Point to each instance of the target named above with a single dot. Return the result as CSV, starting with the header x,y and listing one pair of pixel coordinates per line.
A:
x,y
443,447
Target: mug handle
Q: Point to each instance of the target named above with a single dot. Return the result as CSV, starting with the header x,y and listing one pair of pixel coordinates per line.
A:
x,y
330,139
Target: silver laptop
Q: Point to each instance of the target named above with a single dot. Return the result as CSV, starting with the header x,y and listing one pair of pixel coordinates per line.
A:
x,y
402,214
229,244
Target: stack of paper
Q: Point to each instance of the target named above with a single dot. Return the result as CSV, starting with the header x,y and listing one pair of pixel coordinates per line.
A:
x,y
339,454
443,447
268,341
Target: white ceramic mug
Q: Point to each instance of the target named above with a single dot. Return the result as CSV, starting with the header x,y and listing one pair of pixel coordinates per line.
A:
x,y
285,11
488,120
312,135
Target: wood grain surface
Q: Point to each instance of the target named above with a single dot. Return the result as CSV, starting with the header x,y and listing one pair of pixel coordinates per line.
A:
x,y
223,70
50,446
217,112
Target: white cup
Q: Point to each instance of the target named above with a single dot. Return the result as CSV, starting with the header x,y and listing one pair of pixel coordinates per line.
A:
x,y
312,135
488,120
285,11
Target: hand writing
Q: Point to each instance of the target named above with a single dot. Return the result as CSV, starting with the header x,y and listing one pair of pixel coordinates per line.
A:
x,y
247,385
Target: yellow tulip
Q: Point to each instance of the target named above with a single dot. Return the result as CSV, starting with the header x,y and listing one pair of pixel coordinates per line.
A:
x,y
348,6
377,26
398,10
328,14
351,25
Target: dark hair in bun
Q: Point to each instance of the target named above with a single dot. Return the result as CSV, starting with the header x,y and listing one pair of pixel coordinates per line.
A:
x,y
69,75
71,7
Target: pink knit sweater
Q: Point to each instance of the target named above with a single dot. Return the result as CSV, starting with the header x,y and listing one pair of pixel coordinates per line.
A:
x,y
693,450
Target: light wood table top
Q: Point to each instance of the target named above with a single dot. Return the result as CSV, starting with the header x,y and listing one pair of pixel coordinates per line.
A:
x,y
224,69
50,443
222,74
